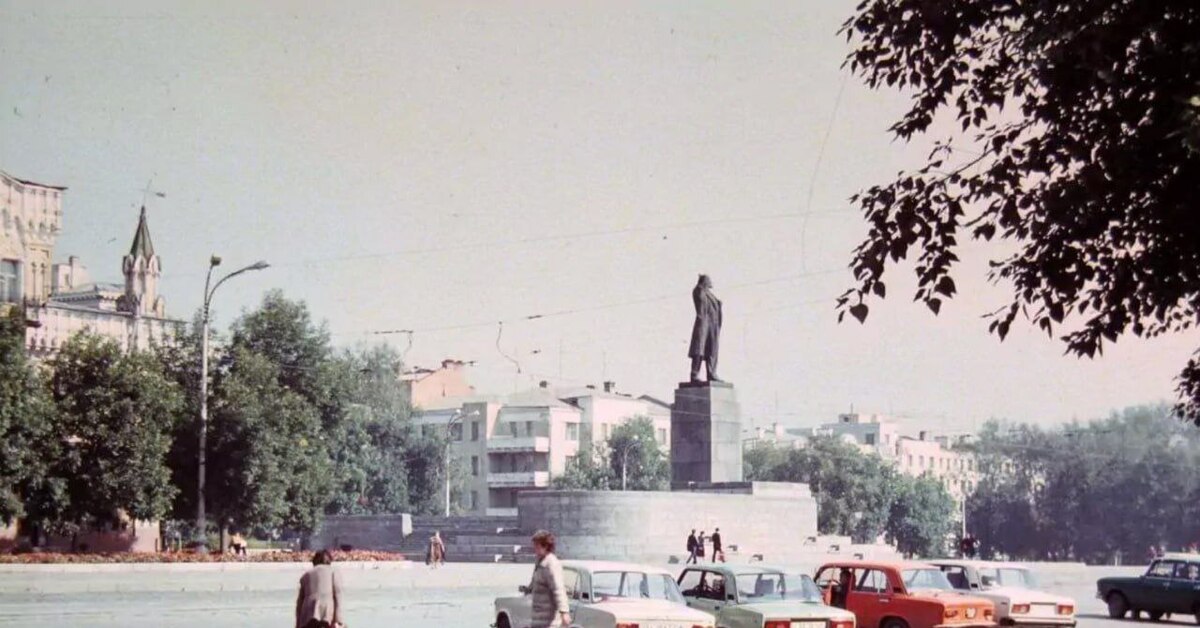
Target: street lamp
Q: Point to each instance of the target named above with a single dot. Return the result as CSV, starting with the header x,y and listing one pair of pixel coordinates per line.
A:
x,y
629,444
458,417
213,262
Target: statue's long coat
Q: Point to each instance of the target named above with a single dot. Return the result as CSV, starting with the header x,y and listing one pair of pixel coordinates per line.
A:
x,y
707,328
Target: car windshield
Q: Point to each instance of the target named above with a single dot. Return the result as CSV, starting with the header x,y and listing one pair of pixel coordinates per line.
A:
x,y
757,587
926,579
635,584
1007,577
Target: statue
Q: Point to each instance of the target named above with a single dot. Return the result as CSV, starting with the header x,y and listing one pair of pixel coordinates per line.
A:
x,y
706,330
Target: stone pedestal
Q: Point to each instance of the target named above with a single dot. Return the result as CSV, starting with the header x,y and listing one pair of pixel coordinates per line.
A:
x,y
706,435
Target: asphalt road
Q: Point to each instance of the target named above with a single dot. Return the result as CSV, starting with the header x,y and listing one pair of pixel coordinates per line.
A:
x,y
458,595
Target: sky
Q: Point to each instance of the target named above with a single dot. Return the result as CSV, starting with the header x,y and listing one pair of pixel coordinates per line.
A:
x,y
456,168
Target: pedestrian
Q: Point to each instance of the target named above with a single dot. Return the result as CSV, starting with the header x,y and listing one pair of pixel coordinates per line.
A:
x,y
691,548
700,545
547,588
238,544
319,604
718,549
436,554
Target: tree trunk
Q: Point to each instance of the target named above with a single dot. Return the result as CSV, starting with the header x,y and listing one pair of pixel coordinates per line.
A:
x,y
224,546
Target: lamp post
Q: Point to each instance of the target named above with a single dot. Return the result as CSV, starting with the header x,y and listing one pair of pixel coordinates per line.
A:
x,y
457,418
629,444
213,262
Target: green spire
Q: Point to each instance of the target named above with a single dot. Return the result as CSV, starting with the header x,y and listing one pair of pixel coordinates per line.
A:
x,y
141,240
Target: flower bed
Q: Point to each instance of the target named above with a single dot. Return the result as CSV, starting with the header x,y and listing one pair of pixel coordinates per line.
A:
x,y
36,558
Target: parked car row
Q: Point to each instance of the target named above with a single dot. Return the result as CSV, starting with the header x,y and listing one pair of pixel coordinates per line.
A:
x,y
846,594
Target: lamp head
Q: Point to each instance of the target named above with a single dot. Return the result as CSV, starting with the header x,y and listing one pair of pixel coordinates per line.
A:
x,y
214,261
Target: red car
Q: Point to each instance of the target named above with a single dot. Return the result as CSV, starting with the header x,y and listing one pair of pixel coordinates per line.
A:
x,y
901,595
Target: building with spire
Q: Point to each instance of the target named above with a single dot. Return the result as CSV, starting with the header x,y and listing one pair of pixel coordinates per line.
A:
x,y
60,300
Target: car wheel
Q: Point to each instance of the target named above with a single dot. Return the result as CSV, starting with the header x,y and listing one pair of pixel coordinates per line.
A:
x,y
893,622
1155,615
1117,605
502,622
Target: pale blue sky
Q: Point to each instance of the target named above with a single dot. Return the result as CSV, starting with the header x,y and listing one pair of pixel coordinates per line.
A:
x,y
433,165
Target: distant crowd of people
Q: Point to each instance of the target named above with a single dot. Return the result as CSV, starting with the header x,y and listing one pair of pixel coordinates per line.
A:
x,y
697,547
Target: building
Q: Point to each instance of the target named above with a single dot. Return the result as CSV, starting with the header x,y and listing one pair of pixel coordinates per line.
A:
x,y
915,455
30,220
60,300
501,446
428,387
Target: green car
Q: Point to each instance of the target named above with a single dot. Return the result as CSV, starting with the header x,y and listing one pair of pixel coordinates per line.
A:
x,y
755,596
1170,585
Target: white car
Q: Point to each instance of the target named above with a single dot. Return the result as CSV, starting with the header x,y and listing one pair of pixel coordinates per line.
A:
x,y
612,595
758,596
1013,589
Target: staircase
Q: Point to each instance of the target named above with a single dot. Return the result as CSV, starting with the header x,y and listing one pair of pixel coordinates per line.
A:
x,y
471,539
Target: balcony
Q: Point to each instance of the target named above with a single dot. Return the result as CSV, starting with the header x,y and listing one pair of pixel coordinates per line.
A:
x,y
536,444
519,479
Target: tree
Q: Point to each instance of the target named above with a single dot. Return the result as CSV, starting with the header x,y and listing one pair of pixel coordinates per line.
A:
x,y
854,490
268,464
1080,125
115,414
1049,494
921,518
636,460
26,417
588,470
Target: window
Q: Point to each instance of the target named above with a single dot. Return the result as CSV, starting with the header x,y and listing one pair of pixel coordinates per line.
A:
x,y
703,584
1161,569
529,428
474,430
870,438
662,436
10,281
512,426
931,578
636,584
957,577
910,460
605,428
474,500
475,466
571,583
456,431
572,432
921,461
873,581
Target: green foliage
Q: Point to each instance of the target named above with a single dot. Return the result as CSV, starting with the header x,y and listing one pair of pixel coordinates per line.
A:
x,y
858,494
589,470
1078,148
268,464
1051,494
635,456
922,516
115,414
26,417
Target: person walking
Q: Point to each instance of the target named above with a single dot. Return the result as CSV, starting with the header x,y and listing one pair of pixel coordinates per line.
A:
x,y
718,549
437,550
700,545
691,548
547,588
319,604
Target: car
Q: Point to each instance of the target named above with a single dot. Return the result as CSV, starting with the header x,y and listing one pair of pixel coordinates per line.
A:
x,y
886,594
758,596
1171,584
1012,588
610,594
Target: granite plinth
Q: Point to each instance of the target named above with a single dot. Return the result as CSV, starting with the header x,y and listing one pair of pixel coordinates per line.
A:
x,y
706,434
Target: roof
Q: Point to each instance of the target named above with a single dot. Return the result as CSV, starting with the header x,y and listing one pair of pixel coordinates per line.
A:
x,y
878,564
606,565
34,183
142,247
1181,556
743,569
960,562
536,398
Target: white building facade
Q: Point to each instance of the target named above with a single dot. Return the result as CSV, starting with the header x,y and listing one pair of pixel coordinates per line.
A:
x,y
60,300
500,447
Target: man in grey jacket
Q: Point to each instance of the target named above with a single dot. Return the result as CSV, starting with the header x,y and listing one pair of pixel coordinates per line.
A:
x,y
548,592
319,604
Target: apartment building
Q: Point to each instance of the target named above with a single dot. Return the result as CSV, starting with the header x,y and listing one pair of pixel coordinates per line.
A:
x,y
500,446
